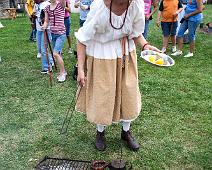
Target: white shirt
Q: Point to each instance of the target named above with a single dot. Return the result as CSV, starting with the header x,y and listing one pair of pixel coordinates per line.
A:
x,y
101,40
37,9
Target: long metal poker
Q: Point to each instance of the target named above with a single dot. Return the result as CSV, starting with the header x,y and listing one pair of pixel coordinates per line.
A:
x,y
67,119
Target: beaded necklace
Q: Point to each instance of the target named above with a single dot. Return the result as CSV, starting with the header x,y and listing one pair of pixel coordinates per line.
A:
x,y
118,28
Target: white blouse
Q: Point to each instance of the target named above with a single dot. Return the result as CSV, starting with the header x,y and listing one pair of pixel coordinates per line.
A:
x,y
101,39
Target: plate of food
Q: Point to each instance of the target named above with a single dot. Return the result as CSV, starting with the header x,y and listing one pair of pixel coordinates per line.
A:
x,y
157,58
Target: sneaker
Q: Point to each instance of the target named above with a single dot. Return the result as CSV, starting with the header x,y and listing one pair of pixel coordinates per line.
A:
x,y
62,77
189,55
44,72
32,39
174,49
70,51
178,52
163,50
39,55
65,73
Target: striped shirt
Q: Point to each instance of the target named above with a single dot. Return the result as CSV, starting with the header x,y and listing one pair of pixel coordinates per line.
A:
x,y
56,19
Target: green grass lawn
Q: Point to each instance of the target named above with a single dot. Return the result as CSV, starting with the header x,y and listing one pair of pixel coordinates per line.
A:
x,y
174,128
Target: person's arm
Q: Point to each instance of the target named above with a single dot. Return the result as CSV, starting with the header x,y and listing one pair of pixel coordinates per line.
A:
x,y
81,49
77,4
155,6
158,18
26,9
141,41
68,8
159,13
180,8
46,21
199,9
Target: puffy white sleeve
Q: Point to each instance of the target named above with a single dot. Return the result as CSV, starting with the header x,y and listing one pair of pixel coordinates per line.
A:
x,y
139,19
88,30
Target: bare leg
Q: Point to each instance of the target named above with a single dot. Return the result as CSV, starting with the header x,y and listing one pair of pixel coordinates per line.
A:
x,y
173,38
69,41
191,46
180,43
165,42
60,62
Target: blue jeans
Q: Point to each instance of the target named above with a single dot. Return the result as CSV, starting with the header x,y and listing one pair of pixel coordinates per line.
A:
x,y
191,26
145,33
42,49
33,32
81,22
169,28
67,23
58,42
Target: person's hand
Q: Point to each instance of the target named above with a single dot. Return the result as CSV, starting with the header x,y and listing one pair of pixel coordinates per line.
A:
x,y
175,14
147,17
150,47
77,4
84,7
44,27
33,25
158,23
81,77
186,16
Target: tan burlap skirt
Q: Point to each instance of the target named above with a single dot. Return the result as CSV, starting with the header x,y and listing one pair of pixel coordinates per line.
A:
x,y
111,92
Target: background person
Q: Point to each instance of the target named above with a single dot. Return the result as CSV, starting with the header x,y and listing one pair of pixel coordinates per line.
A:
x,y
191,20
67,22
12,4
54,15
39,6
169,10
148,14
107,66
29,10
84,6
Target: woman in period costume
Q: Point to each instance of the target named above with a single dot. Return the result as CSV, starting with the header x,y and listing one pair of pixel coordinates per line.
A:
x,y
107,66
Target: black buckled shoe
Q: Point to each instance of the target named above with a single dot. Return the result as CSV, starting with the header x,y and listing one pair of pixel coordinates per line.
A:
x,y
100,141
129,140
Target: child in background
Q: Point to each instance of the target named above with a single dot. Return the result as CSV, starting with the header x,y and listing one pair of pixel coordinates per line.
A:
x,y
84,9
148,14
39,6
29,10
54,14
169,10
67,23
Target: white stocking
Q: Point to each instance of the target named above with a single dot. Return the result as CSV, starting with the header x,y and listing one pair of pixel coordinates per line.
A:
x,y
126,126
100,128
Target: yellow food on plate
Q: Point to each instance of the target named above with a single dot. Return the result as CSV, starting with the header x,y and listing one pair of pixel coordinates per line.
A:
x,y
152,58
160,61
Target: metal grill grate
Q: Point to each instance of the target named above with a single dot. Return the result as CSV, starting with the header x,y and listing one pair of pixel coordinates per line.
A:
x,y
62,164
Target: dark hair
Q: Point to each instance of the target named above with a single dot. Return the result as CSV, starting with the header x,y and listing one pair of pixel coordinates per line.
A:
x,y
42,16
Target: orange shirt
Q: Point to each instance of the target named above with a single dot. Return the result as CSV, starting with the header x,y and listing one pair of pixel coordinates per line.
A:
x,y
168,8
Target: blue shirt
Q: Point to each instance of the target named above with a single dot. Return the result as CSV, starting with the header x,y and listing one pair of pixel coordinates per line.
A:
x,y
191,8
84,13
